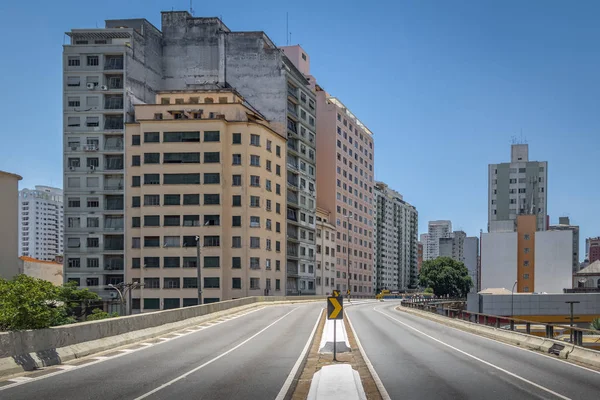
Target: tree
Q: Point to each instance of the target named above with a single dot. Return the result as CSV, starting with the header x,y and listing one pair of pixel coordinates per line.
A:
x,y
30,303
595,324
428,291
98,314
446,277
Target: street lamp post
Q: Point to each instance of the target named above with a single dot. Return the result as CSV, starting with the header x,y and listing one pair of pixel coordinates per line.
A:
x,y
199,270
512,297
110,285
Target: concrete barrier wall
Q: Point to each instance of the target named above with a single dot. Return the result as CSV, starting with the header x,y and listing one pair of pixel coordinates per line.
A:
x,y
24,342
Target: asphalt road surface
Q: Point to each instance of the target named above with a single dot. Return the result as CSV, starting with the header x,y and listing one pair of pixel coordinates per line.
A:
x,y
249,357
420,359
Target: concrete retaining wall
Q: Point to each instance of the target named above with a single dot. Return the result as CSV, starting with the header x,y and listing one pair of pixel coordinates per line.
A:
x,y
569,351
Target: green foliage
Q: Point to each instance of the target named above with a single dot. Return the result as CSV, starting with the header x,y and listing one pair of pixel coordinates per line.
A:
x,y
30,303
446,276
595,324
98,314
428,291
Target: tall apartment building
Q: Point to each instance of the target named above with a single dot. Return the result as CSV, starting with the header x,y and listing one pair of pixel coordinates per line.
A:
x,y
463,249
436,230
395,241
325,273
517,188
345,185
108,70
9,229
564,224
204,164
592,249
41,224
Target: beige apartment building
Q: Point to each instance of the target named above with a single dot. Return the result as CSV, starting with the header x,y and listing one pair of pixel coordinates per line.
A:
x,y
325,274
9,230
345,186
204,164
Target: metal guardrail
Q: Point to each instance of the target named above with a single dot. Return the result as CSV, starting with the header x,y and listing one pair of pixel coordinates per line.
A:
x,y
576,333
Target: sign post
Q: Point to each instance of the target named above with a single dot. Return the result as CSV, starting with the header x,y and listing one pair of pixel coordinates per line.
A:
x,y
335,311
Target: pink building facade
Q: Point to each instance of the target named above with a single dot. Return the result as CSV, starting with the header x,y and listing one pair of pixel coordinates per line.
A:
x,y
345,155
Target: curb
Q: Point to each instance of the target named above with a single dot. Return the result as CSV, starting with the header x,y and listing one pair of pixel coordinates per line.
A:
x,y
568,351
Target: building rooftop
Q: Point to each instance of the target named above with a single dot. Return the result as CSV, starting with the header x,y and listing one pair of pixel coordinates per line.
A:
x,y
593,268
10,174
35,260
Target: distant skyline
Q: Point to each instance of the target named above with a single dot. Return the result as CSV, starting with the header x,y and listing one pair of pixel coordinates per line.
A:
x,y
444,86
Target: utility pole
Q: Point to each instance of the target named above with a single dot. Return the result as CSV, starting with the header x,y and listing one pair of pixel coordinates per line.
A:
x,y
570,303
199,270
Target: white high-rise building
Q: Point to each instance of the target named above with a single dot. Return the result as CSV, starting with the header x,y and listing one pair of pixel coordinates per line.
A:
x,y
395,238
41,224
436,231
517,188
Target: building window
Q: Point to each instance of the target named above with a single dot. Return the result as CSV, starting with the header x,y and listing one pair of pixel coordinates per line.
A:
x,y
254,262
236,262
151,137
135,140
173,137
236,180
254,140
190,283
181,158
212,199
211,283
254,222
171,199
526,236
171,220
152,200
191,199
212,157
212,220
212,136
93,61
255,180
254,201
526,263
236,159
212,241
236,242
255,160
236,201
181,179
212,262
151,179
526,250
254,244
525,276
212,178
237,138
236,220
236,283
254,283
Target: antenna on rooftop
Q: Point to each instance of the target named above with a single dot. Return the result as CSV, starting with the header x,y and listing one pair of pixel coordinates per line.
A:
x,y
191,7
287,29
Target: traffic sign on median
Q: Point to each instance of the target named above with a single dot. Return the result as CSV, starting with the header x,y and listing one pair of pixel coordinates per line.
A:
x,y
336,293
348,292
335,308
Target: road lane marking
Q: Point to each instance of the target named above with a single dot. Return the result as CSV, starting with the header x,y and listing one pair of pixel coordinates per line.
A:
x,y
505,344
382,390
63,368
172,381
489,364
290,379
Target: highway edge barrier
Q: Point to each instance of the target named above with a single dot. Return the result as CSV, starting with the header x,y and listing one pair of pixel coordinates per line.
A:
x,y
569,351
29,350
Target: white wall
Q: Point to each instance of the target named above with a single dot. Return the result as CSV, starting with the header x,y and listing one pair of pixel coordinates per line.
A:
x,y
498,260
553,261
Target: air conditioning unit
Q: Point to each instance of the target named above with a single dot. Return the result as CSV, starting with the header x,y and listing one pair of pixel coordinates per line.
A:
x,y
73,148
91,86
71,167
113,295
103,87
92,168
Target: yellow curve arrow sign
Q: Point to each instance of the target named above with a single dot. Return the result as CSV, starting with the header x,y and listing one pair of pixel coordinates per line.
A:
x,y
335,308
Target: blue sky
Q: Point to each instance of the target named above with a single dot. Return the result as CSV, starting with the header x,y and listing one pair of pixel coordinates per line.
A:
x,y
444,85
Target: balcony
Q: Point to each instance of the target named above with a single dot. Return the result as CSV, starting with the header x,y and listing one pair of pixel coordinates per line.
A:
x,y
292,269
113,163
292,197
292,91
292,108
113,123
292,182
112,63
292,252
114,263
113,103
292,126
114,242
114,187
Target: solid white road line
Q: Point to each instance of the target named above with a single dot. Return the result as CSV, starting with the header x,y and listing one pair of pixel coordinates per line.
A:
x,y
20,379
161,387
489,364
510,345
290,379
382,390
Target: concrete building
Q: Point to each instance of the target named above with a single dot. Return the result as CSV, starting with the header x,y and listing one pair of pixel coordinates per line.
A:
x,y
592,246
41,224
109,70
436,231
395,240
326,233
537,307
565,224
516,188
345,186
9,229
539,261
471,259
217,139
419,256
588,279
50,271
